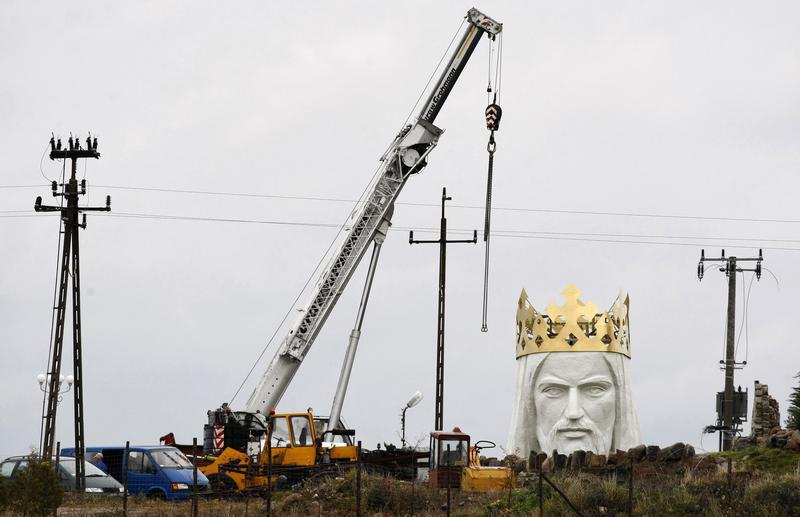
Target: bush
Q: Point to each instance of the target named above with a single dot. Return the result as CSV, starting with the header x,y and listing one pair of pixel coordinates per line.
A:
x,y
36,489
793,419
773,496
3,494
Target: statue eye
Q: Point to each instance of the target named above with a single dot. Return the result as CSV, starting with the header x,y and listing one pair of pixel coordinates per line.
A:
x,y
595,390
553,391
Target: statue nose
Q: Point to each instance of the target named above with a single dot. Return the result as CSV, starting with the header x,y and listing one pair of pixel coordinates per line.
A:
x,y
574,410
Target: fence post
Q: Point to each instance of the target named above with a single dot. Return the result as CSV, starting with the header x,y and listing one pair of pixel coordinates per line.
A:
x,y
358,480
449,479
730,476
413,477
194,477
58,473
630,487
541,494
125,480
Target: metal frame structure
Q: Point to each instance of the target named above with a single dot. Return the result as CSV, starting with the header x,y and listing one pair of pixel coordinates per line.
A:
x,y
442,241
70,256
729,425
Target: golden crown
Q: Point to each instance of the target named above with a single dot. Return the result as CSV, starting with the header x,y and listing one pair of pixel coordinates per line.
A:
x,y
573,327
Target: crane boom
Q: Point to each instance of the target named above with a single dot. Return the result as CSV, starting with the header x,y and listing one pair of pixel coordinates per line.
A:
x,y
407,155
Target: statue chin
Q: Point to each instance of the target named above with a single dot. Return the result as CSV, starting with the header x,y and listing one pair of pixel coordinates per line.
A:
x,y
569,441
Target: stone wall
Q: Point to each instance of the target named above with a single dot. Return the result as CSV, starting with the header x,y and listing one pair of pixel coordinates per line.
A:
x,y
766,413
588,461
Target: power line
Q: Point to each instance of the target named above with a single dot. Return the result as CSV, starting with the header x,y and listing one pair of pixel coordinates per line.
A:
x,y
460,230
433,205
514,234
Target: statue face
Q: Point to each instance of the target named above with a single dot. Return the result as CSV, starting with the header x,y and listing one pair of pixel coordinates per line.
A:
x,y
575,400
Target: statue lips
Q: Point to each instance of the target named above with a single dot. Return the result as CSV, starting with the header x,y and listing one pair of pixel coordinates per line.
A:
x,y
575,432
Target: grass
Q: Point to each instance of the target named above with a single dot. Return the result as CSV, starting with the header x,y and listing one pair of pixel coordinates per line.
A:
x,y
763,459
759,492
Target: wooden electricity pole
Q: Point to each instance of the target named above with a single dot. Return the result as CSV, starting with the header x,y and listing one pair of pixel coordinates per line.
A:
x,y
442,242
70,255
730,269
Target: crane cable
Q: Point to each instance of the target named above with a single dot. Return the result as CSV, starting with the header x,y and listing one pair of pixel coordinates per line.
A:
x,y
493,114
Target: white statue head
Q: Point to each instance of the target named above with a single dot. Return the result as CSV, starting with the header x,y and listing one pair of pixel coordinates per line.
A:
x,y
573,380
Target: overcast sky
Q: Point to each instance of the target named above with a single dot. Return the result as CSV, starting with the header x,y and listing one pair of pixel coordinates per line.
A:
x,y
659,108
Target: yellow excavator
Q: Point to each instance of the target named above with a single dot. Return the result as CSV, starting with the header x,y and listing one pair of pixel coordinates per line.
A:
x,y
454,464
290,440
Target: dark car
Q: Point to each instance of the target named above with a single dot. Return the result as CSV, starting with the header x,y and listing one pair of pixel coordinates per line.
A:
x,y
97,481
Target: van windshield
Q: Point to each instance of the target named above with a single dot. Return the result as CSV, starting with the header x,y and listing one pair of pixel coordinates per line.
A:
x,y
170,458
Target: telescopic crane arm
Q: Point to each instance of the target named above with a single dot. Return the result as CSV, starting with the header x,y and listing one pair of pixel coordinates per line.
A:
x,y
407,155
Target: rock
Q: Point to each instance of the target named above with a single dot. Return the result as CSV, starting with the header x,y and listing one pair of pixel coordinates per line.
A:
x,y
576,460
536,459
519,466
637,453
744,442
776,442
560,462
689,452
587,461
652,452
598,460
672,453
547,465
793,442
533,464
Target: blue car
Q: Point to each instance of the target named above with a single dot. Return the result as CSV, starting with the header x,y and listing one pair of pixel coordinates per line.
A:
x,y
156,471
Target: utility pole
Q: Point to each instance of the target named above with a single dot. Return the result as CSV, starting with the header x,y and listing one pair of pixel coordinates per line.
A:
x,y
730,269
70,255
442,242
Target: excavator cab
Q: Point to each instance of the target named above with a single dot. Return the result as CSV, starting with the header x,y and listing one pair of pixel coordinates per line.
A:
x,y
454,464
449,455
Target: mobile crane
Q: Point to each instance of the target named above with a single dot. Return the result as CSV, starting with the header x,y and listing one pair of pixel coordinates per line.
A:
x,y
235,436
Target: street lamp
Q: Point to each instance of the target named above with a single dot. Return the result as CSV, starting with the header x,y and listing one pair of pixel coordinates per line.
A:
x,y
44,386
413,401
44,383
